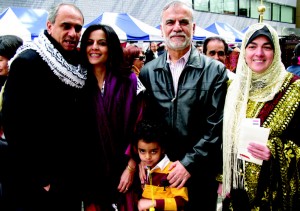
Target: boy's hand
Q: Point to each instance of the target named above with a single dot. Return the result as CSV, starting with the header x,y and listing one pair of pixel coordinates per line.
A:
x,y
145,204
142,173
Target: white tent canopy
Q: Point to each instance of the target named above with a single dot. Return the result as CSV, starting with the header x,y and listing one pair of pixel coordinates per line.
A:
x,y
202,34
127,27
225,30
10,25
34,20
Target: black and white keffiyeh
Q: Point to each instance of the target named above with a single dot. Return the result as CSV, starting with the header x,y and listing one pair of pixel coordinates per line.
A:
x,y
69,74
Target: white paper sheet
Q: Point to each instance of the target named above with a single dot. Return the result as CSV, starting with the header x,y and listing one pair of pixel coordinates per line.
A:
x,y
251,132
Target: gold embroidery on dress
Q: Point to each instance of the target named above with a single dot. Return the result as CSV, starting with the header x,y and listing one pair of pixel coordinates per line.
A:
x,y
278,121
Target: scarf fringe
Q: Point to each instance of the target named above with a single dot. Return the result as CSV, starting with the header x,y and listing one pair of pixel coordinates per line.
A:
x,y
69,74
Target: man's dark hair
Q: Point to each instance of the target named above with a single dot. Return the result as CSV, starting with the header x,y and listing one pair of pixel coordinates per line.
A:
x,y
9,45
207,40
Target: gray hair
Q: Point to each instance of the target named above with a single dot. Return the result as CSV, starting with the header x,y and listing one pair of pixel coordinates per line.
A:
x,y
55,9
177,3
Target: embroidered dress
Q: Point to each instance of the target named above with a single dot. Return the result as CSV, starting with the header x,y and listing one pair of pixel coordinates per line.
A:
x,y
261,182
272,96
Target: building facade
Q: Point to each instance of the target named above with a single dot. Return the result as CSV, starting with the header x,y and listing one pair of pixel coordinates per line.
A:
x,y
280,14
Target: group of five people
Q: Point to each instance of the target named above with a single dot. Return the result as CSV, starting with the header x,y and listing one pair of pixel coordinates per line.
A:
x,y
75,121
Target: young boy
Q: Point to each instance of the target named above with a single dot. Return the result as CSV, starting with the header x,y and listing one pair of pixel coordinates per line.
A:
x,y
149,145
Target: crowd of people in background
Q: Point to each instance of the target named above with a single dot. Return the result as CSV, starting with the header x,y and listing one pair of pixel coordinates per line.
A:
x,y
98,126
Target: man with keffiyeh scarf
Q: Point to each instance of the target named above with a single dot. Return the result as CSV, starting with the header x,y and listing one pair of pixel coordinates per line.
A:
x,y
41,117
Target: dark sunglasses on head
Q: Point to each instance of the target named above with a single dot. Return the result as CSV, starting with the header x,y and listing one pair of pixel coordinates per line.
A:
x,y
141,58
220,53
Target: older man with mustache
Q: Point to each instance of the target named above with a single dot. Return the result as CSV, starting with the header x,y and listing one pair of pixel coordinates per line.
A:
x,y
186,90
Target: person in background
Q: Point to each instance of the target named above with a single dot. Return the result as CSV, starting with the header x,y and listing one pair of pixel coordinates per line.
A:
x,y
199,47
232,57
42,117
134,57
148,145
111,97
295,66
217,48
8,47
151,53
264,90
161,48
186,91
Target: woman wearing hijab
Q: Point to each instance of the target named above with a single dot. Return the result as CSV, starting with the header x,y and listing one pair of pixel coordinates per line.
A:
x,y
262,89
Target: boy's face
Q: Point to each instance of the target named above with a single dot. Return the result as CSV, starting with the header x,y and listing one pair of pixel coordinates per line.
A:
x,y
149,153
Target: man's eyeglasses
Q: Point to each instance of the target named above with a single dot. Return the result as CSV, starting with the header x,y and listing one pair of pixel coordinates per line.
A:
x,y
220,53
141,58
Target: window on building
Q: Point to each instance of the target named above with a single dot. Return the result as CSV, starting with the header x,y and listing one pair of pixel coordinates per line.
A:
x,y
247,8
230,7
287,14
201,5
254,10
276,12
216,6
244,8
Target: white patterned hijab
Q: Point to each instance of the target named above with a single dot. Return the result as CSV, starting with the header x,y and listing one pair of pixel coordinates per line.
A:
x,y
259,87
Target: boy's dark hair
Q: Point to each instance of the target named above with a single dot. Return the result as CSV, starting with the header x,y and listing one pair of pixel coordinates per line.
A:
x,y
149,131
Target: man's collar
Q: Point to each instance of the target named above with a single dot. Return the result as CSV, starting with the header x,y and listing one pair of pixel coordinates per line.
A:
x,y
185,57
